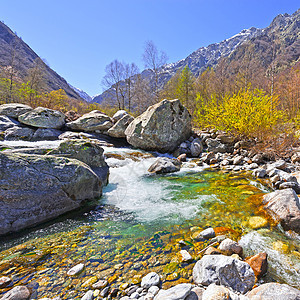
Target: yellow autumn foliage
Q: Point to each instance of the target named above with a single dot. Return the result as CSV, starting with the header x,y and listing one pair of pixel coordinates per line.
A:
x,y
249,113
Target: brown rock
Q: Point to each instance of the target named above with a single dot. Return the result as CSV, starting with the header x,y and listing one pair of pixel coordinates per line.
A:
x,y
258,263
182,157
211,251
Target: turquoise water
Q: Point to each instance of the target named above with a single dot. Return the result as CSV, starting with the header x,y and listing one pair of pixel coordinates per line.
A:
x,y
137,225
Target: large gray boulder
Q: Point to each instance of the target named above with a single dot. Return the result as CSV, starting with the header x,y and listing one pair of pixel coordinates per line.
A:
x,y
18,133
14,110
224,270
88,151
284,207
37,188
274,291
162,127
118,130
92,121
48,134
177,292
42,117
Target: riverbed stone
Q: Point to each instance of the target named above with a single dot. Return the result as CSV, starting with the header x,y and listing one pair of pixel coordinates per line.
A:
x,y
284,206
224,270
215,146
162,127
76,270
207,233
295,157
165,165
258,263
4,281
89,295
48,134
185,256
37,188
14,110
153,290
177,292
274,291
42,117
214,292
149,280
230,247
196,293
17,293
257,222
118,130
92,121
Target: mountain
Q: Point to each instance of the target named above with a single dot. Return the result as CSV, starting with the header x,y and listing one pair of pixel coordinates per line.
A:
x,y
82,93
13,50
277,44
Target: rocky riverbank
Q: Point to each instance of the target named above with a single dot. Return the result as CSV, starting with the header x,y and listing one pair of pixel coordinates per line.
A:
x,y
41,184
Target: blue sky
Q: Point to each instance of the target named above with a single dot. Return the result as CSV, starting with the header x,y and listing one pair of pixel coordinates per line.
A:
x,y
79,38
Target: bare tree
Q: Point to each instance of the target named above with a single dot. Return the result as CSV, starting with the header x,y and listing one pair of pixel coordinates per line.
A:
x,y
154,60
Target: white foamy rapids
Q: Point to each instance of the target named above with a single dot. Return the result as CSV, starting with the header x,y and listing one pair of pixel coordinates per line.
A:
x,y
27,144
149,197
283,264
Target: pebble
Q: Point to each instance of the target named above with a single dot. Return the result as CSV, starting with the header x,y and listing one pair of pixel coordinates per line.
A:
x,y
256,222
17,293
4,281
104,292
149,280
230,247
100,284
89,295
76,270
153,290
185,256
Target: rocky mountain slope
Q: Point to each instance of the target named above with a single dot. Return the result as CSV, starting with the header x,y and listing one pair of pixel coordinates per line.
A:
x,y
13,50
279,42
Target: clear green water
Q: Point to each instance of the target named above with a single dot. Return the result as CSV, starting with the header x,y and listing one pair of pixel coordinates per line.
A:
x,y
136,228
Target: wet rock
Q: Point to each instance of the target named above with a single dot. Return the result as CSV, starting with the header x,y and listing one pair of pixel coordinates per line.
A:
x,y
178,292
4,281
119,115
37,188
90,281
164,165
118,130
162,127
131,290
14,110
195,294
196,147
48,134
89,295
258,263
76,270
185,256
256,222
92,121
17,293
182,157
149,280
224,270
19,133
229,247
43,118
104,292
207,233
284,206
274,291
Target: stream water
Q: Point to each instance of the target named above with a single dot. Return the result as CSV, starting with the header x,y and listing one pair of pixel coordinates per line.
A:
x,y
136,227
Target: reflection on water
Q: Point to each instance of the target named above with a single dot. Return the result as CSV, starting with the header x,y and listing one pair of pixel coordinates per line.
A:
x,y
136,227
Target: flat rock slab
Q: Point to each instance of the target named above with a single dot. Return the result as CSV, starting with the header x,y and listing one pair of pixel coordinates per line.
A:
x,y
224,270
14,109
42,117
284,207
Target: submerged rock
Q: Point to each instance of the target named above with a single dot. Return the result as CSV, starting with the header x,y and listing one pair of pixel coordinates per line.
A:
x,y
17,293
92,121
284,206
76,270
43,118
224,270
164,165
162,127
37,188
274,291
14,110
